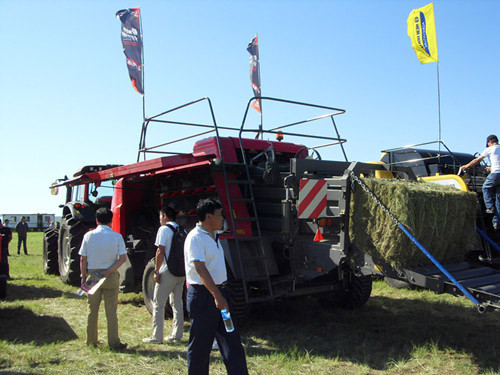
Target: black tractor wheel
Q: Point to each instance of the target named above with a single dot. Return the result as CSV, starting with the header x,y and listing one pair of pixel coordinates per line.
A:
x,y
50,263
148,288
358,292
354,296
70,239
148,285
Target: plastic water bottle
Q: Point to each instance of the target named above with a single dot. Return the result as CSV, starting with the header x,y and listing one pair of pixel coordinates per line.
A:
x,y
228,322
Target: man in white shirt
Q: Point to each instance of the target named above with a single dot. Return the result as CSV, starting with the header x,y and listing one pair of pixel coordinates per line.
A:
x,y
102,252
206,276
166,284
491,185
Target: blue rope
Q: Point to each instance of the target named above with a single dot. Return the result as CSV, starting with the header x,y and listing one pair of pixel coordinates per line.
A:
x,y
490,241
438,265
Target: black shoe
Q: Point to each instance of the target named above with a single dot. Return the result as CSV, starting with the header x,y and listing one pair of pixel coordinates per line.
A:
x,y
9,278
490,211
120,346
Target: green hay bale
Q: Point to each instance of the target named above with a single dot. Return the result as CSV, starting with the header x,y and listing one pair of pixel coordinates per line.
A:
x,y
441,218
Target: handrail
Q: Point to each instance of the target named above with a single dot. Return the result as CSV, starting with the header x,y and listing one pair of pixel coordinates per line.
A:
x,y
278,129
144,150
438,156
156,119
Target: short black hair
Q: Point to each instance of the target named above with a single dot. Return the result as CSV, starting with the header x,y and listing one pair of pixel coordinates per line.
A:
x,y
207,206
170,212
104,215
492,138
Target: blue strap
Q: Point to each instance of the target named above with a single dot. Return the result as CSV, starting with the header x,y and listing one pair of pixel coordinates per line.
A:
x,y
490,241
438,265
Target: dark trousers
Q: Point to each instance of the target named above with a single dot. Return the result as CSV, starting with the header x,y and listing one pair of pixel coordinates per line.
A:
x,y
23,240
4,263
207,324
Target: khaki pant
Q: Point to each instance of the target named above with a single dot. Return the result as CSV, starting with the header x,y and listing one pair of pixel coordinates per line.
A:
x,y
109,291
172,286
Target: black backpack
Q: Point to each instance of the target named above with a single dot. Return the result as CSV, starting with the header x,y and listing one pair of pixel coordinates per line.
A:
x,y
175,261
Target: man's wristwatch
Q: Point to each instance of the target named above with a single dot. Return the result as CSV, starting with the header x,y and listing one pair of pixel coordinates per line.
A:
x,y
156,272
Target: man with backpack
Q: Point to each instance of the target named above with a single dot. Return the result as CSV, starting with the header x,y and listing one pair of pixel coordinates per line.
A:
x,y
169,276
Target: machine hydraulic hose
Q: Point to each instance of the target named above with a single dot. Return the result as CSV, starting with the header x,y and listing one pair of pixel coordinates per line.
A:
x,y
480,307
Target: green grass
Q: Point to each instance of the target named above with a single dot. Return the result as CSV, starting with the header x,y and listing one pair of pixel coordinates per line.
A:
x,y
42,331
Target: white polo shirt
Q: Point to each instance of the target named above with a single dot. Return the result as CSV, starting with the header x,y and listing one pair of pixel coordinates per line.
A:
x,y
200,246
102,247
164,238
493,153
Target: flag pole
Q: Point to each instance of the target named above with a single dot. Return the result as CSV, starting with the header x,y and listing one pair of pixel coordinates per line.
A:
x,y
439,108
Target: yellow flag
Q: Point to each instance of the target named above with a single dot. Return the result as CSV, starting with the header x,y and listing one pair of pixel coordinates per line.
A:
x,y
422,32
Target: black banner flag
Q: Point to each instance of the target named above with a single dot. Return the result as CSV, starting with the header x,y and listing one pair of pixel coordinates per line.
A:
x,y
253,49
132,45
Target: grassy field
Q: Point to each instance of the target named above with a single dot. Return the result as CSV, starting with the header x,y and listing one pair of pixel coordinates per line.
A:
x,y
42,331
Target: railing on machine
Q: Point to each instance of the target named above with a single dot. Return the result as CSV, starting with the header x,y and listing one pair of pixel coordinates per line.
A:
x,y
144,150
456,162
438,156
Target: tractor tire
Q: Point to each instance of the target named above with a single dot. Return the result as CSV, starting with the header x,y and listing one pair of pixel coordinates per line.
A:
x,y
50,263
148,288
148,285
358,293
354,297
240,309
70,239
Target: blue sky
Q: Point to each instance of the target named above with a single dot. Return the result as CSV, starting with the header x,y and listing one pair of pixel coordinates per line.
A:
x,y
67,101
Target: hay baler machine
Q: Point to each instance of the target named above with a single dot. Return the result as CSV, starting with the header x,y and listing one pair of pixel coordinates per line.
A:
x,y
320,193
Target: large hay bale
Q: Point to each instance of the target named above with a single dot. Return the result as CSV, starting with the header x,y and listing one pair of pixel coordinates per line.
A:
x,y
442,219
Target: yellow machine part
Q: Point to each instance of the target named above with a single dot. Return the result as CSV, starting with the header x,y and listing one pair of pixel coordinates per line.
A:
x,y
381,174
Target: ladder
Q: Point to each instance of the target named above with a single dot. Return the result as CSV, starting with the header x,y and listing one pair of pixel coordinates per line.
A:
x,y
244,184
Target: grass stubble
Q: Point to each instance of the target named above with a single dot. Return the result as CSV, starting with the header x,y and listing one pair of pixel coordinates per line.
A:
x,y
408,331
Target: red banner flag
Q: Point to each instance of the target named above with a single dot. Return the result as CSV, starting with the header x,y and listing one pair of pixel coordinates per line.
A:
x,y
132,45
253,49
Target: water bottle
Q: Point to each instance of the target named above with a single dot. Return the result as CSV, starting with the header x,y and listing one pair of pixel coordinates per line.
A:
x,y
228,322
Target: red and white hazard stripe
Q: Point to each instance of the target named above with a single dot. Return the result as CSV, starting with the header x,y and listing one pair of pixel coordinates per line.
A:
x,y
312,199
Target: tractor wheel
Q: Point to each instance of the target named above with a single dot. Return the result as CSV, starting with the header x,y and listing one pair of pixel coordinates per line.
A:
x,y
148,288
50,264
354,297
70,239
240,307
148,285
358,292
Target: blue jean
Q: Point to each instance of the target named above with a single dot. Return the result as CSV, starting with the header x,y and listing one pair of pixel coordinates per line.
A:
x,y
491,187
